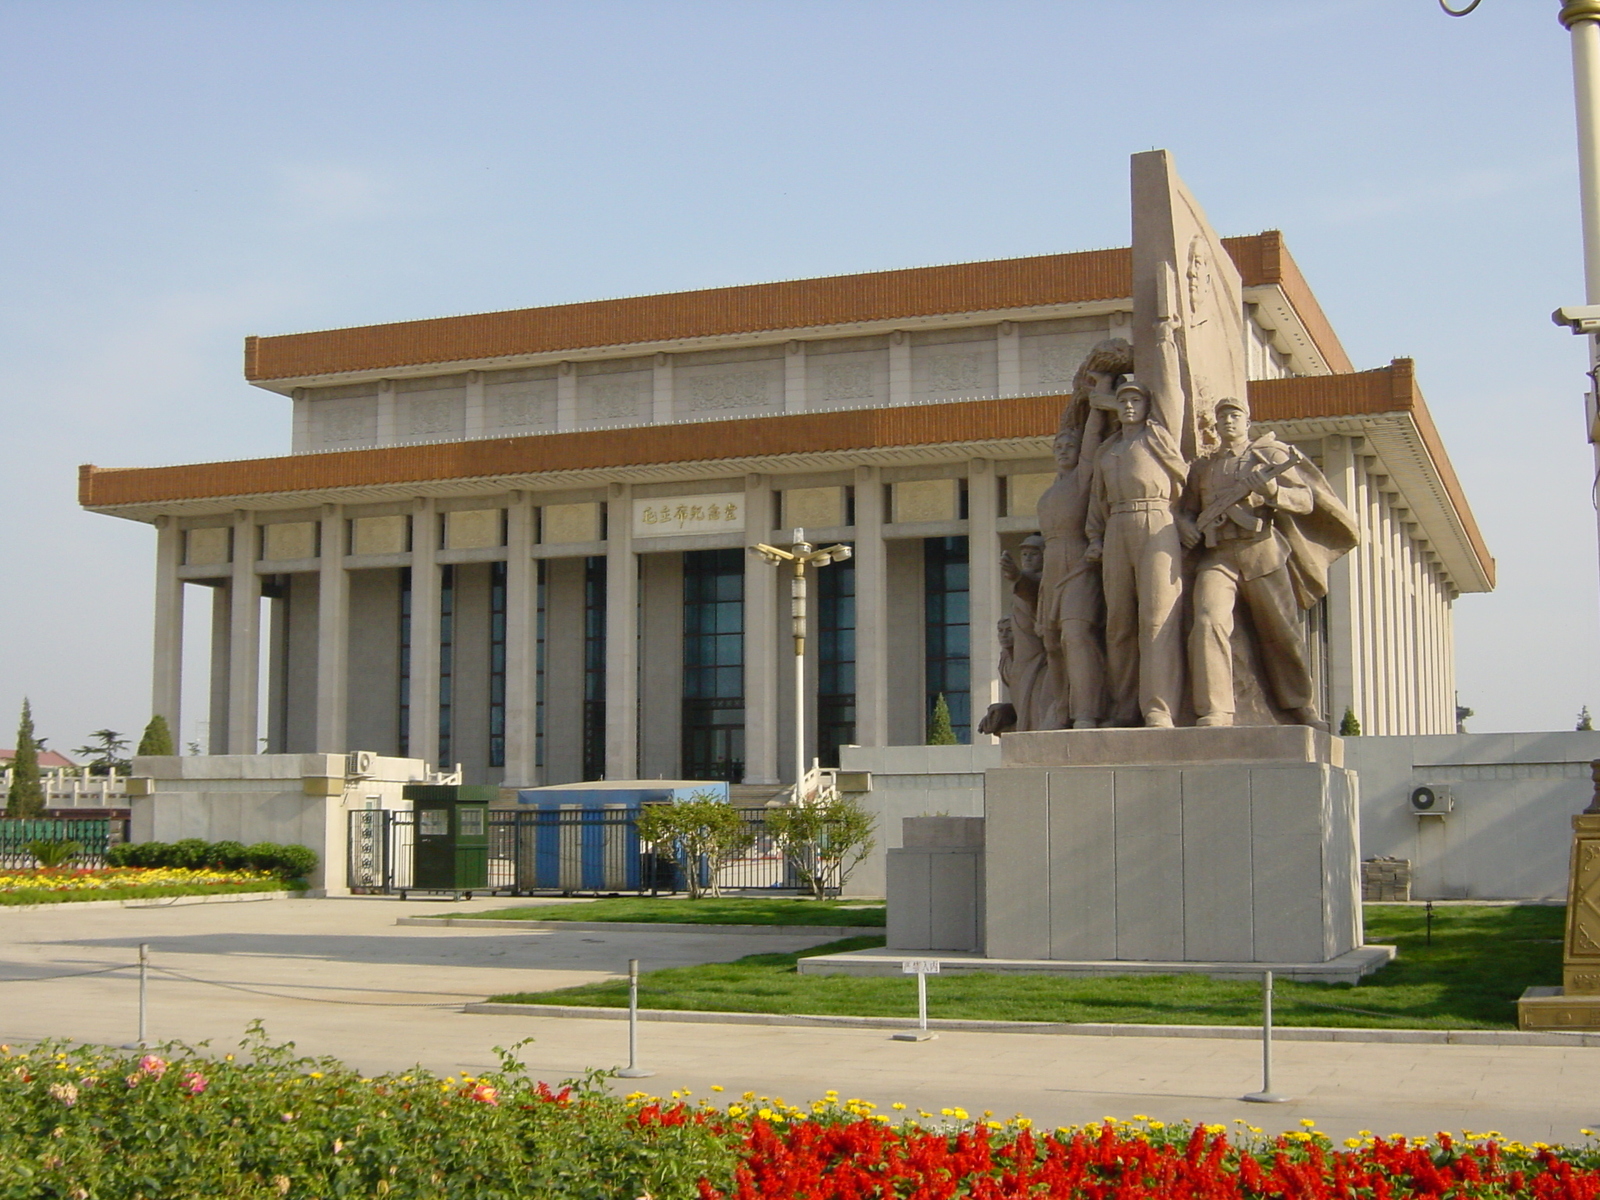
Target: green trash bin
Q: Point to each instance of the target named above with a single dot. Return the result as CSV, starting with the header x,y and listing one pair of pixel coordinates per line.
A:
x,y
450,852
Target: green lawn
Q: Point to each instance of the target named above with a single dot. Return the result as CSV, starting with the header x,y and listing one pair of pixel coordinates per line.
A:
x,y
730,910
1479,962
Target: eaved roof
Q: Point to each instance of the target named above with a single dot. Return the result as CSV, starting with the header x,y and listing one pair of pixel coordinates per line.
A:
x,y
795,306
1384,405
47,758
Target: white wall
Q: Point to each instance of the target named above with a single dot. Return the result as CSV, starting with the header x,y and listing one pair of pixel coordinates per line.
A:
x,y
265,798
1510,833
1508,837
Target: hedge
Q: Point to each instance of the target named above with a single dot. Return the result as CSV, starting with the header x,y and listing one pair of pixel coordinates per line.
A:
x,y
288,861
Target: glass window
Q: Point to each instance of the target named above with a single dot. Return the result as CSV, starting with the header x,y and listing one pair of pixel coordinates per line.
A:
x,y
713,664
948,631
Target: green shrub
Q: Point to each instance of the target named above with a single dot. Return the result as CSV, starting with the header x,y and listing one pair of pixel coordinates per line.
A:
x,y
229,856
702,833
189,853
157,739
52,854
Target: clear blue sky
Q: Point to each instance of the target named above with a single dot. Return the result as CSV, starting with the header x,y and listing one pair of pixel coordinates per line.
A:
x,y
179,175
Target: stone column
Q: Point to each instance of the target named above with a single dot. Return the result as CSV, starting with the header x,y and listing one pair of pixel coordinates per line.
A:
x,y
794,377
387,423
333,636
221,658
423,734
472,423
984,580
622,637
661,390
167,677
1008,349
566,397
522,585
872,612
762,736
1344,586
899,367
244,640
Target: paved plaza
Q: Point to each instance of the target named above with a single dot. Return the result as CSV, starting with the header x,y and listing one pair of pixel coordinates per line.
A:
x,y
340,977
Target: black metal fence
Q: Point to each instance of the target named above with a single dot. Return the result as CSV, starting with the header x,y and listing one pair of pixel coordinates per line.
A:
x,y
563,850
94,835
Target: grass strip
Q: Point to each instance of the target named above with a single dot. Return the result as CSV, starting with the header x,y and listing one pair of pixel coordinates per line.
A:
x,y
727,910
145,892
1478,962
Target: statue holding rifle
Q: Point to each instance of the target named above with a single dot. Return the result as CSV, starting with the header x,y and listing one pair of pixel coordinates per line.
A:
x,y
1270,528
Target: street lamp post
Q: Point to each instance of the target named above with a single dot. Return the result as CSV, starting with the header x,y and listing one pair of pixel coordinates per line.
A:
x,y
1582,20
799,556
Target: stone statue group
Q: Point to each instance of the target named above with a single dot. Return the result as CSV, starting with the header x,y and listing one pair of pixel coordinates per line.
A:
x,y
1161,591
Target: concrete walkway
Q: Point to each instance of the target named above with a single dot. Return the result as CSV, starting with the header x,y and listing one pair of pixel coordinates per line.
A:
x,y
340,977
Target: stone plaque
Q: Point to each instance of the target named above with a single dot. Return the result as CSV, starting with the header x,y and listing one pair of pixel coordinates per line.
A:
x,y
380,535
813,508
565,524
672,516
473,529
207,547
927,500
1023,492
289,539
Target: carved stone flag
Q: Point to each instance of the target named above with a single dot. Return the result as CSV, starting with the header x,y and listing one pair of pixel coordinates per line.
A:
x,y
1188,306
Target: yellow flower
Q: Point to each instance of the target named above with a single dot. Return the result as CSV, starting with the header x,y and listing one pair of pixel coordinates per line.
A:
x,y
899,1107
1158,1124
961,1114
1308,1122
716,1087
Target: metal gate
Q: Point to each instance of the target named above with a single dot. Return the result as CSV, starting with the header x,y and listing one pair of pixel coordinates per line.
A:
x,y
562,850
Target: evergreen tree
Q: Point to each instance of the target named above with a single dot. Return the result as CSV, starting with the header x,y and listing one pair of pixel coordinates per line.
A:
x,y
26,798
1585,721
105,751
940,731
157,738
1349,726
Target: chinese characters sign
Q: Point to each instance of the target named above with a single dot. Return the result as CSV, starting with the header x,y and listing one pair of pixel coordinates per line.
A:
x,y
666,516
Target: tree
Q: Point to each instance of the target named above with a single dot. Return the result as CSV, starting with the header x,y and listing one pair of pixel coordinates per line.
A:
x,y
824,841
1349,726
105,751
1585,721
26,797
940,731
703,833
157,738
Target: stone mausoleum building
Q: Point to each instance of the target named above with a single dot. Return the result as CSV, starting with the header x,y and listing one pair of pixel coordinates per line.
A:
x,y
518,541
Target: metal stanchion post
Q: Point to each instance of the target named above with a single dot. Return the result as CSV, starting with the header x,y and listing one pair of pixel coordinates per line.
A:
x,y
1266,1095
633,1070
144,974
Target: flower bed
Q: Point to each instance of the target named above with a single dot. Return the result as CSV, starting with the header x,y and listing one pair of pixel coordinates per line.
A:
x,y
128,883
92,1125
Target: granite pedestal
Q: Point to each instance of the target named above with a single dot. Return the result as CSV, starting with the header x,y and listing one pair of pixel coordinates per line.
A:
x,y
1179,846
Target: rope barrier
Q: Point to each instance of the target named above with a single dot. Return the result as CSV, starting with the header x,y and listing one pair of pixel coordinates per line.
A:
x,y
69,974
254,991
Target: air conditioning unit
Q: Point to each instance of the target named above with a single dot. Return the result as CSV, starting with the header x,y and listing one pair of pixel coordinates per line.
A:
x,y
1431,800
361,764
